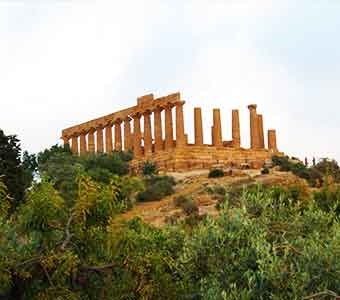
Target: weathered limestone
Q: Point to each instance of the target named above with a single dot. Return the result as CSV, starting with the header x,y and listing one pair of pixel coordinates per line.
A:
x,y
180,134
272,145
198,126
236,134
169,134
83,146
118,136
91,143
127,134
137,134
100,140
168,153
261,131
147,133
158,129
254,128
217,128
74,146
108,138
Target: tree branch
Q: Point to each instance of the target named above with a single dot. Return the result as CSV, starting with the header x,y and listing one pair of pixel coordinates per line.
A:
x,y
67,234
321,294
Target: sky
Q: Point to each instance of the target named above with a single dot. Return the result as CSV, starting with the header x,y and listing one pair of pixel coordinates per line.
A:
x,y
64,62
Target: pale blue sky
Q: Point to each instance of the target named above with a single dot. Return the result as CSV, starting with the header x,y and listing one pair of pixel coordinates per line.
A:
x,y
64,62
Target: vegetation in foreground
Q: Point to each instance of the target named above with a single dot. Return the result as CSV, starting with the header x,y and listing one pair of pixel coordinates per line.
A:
x,y
62,240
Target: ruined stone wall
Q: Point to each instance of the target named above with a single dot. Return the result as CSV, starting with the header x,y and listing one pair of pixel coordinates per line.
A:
x,y
170,149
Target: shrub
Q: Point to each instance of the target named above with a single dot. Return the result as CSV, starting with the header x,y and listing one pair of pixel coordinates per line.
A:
x,y
312,175
265,170
157,188
215,173
187,204
149,168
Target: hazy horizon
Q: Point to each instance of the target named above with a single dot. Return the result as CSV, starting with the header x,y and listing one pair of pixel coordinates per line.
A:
x,y
66,62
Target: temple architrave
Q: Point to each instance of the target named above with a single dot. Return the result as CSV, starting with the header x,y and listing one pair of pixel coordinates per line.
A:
x,y
170,150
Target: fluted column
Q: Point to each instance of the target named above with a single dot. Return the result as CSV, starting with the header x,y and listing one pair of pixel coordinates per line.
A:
x,y
198,126
137,134
254,128
261,132
272,144
147,133
169,134
180,135
158,129
91,143
83,146
74,146
118,135
108,138
127,134
236,128
100,140
217,128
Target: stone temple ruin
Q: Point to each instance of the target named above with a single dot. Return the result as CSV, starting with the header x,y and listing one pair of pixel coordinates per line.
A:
x,y
169,153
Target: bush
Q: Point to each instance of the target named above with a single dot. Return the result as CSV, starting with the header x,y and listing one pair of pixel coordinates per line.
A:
x,y
265,171
149,168
157,188
312,175
187,204
215,173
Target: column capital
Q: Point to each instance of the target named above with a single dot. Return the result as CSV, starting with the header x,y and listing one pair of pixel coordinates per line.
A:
x,y
127,119
147,112
117,121
136,115
158,108
252,106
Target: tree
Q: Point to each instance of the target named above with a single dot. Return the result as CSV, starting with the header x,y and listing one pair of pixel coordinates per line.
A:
x,y
17,175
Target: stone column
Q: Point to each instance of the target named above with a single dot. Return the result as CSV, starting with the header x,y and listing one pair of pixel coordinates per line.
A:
x,y
217,136
198,126
74,146
147,133
169,134
272,145
127,134
261,132
108,138
118,135
137,134
236,128
254,128
180,135
100,140
66,140
92,147
158,129
83,146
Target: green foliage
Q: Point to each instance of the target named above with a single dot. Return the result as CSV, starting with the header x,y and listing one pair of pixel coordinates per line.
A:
x,y
268,243
187,204
328,200
312,175
215,173
62,167
5,200
149,168
157,187
17,175
329,167
265,171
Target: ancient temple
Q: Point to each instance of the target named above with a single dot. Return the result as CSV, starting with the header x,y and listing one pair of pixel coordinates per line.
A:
x,y
170,149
